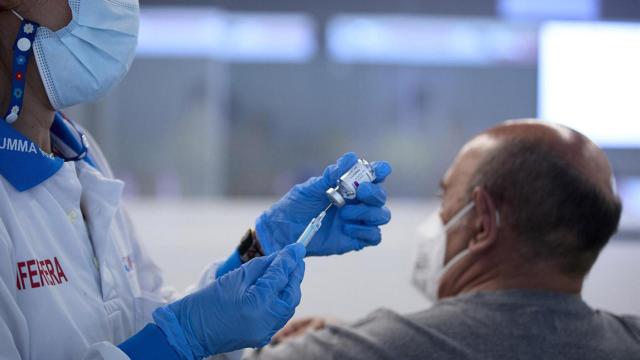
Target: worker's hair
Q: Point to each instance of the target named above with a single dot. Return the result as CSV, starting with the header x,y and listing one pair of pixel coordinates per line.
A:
x,y
561,217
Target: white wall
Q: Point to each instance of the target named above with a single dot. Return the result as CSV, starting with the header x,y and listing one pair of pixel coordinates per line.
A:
x,y
184,236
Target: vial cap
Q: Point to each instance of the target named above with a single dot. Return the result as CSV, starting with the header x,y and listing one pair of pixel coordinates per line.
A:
x,y
335,197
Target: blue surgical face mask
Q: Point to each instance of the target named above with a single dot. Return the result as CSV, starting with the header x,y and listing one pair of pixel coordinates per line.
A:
x,y
88,57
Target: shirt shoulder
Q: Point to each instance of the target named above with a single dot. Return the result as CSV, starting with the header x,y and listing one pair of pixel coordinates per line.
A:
x,y
406,336
633,323
620,325
366,339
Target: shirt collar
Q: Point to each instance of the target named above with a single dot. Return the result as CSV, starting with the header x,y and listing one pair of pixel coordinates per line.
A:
x,y
23,163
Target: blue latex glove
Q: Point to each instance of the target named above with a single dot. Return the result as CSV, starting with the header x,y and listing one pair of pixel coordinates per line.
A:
x,y
244,308
352,227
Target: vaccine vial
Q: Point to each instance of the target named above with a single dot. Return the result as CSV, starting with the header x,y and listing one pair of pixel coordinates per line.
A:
x,y
348,183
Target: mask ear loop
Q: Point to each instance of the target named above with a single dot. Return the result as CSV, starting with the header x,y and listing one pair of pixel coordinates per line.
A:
x,y
456,218
466,251
450,224
22,51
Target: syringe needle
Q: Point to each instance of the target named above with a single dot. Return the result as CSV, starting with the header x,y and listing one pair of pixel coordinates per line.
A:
x,y
327,208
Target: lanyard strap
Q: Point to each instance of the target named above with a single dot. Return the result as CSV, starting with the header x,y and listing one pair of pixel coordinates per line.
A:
x,y
68,141
22,50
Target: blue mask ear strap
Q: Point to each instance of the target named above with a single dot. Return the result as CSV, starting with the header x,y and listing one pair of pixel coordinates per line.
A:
x,y
22,50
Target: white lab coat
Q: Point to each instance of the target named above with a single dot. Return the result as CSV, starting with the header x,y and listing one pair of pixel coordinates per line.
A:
x,y
73,289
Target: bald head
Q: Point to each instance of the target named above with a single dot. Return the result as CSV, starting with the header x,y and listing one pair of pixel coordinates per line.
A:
x,y
552,187
580,153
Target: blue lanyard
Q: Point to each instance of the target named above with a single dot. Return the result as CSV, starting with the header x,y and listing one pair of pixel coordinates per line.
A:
x,y
22,50
68,141
77,145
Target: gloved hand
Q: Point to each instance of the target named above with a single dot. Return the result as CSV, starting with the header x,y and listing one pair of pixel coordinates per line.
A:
x,y
351,227
243,308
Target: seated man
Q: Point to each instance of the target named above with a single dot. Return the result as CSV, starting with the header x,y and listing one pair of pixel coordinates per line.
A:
x,y
526,209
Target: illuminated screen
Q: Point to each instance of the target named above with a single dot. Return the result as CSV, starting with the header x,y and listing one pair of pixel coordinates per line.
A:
x,y
549,9
227,36
427,40
589,80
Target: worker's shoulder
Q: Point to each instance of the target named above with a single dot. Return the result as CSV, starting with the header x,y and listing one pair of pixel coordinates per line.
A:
x,y
7,193
5,186
5,189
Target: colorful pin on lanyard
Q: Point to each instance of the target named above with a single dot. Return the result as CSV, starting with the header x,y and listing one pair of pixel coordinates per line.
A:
x,y
22,50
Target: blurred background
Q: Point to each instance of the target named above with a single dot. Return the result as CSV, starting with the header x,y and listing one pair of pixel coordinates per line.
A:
x,y
230,103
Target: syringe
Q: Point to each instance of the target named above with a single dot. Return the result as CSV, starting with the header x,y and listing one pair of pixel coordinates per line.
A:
x,y
313,227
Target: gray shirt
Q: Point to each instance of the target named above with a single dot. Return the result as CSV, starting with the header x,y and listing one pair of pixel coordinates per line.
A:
x,y
510,324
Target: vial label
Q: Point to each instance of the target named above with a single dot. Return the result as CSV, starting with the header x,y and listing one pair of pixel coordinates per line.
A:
x,y
360,173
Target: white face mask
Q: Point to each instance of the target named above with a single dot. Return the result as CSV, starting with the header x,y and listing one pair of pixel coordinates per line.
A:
x,y
429,266
88,57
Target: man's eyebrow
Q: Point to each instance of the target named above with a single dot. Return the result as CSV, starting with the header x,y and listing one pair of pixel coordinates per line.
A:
x,y
442,185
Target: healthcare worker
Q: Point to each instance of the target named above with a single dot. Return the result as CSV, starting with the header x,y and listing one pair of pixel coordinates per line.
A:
x,y
75,282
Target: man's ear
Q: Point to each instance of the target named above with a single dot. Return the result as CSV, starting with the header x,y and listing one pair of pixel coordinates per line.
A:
x,y
486,221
